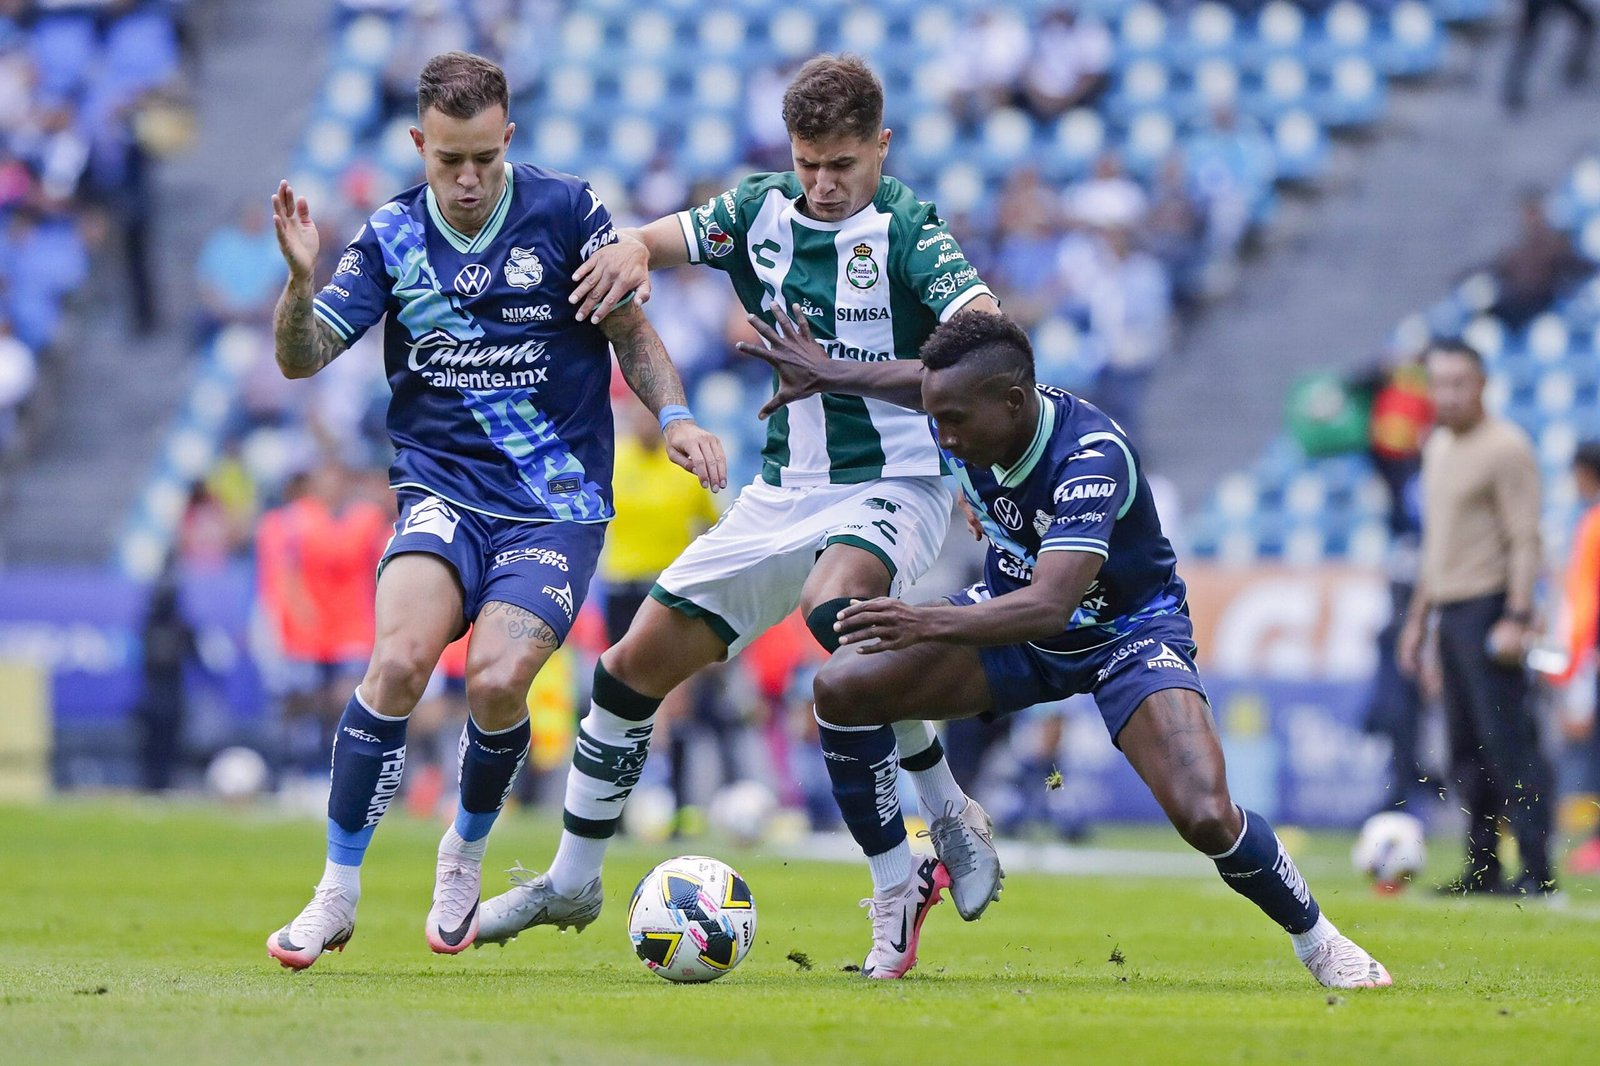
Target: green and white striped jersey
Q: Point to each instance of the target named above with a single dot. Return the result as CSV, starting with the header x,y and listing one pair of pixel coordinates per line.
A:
x,y
872,287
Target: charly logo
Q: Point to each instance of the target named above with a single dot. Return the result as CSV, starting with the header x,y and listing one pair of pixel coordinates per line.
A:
x,y
434,516
523,268
862,270
472,279
1008,513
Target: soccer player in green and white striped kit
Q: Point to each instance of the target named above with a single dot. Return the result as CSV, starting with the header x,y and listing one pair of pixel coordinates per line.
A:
x,y
849,504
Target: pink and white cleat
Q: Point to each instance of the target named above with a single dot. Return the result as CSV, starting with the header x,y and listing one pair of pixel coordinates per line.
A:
x,y
453,919
897,918
327,924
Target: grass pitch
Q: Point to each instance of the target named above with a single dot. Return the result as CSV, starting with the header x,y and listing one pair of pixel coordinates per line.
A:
x,y
134,933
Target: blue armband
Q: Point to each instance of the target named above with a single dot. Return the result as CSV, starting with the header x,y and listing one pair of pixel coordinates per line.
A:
x,y
673,412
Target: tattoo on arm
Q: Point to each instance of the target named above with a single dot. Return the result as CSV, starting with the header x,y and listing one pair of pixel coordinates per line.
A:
x,y
645,364
303,343
522,624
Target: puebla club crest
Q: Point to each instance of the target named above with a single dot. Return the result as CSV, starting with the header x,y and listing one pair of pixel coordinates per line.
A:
x,y
523,268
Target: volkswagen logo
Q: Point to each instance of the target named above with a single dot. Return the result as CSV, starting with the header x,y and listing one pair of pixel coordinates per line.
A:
x,y
473,279
1007,512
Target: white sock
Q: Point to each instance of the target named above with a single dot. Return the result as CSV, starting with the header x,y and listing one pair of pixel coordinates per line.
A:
x,y
890,869
577,862
936,786
452,844
348,878
1305,943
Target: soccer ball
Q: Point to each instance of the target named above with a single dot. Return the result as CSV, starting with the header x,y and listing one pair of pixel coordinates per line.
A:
x,y
237,773
1391,849
692,919
741,811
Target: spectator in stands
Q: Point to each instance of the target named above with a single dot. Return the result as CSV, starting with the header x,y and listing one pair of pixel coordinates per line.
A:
x,y
239,272
42,259
1232,164
985,62
1129,301
1532,272
18,373
1174,229
1480,559
1027,245
1583,627
1535,12
1107,197
1068,64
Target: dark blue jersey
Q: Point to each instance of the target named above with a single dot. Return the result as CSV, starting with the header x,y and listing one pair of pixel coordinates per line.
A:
x,y
1078,487
499,394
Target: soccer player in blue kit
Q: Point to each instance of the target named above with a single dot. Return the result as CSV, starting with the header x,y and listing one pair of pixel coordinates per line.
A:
x,y
501,423
1080,593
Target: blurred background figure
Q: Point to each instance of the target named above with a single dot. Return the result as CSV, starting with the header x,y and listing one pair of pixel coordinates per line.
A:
x,y
1480,559
1583,630
240,272
168,644
1537,267
1575,71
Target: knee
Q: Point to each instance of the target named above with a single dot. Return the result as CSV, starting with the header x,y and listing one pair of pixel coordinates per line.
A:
x,y
497,690
1208,823
846,696
397,675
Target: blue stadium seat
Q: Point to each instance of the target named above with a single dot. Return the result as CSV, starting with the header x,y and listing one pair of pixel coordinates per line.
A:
x,y
1300,145
65,48
1284,85
1138,87
1209,32
1345,31
1280,31
1412,42
1142,32
1073,144
1353,95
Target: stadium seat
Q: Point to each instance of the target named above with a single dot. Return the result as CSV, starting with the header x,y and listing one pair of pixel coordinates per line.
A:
x,y
793,33
1142,32
1005,139
961,188
1076,140
1304,546
722,33
717,87
366,42
1151,137
1140,86
1556,393
1283,86
1209,33
352,95
1353,96
328,145
558,142
1300,146
1412,42
583,37
570,89
643,90
140,51
862,30
1346,31
711,145
929,139
1279,31
1548,339
1215,84
650,34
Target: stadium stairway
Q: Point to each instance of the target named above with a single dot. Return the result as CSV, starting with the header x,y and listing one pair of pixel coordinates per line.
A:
x,y
116,393
1403,214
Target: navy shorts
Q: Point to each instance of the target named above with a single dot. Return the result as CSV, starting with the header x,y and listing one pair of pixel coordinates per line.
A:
x,y
543,567
1121,674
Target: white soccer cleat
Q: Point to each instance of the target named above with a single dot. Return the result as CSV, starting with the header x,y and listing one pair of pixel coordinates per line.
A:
x,y
1340,962
534,901
897,918
453,919
327,923
964,842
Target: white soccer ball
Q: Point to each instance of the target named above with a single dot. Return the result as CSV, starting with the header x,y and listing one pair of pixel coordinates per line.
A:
x,y
741,811
692,919
1391,849
237,773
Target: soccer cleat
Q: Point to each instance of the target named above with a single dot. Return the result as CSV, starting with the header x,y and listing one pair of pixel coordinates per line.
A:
x,y
453,919
1340,962
897,918
532,901
964,842
328,922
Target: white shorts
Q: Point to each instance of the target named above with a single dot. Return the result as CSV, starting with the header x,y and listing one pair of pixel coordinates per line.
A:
x,y
744,575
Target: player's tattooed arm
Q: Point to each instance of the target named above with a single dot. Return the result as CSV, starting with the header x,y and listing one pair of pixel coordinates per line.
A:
x,y
303,343
804,369
649,372
1041,610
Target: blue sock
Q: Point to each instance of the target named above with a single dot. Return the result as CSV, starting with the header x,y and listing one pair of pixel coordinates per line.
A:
x,y
1259,869
489,765
369,755
865,770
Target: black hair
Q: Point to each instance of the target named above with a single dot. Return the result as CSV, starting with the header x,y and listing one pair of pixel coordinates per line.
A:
x,y
834,96
988,342
1588,457
1454,346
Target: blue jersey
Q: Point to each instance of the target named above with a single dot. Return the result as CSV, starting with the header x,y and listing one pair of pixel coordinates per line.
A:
x,y
500,395
1077,488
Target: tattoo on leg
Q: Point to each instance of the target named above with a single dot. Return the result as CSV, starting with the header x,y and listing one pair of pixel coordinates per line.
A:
x,y
522,624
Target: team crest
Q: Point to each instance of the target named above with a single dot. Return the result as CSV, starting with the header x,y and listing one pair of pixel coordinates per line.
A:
x,y
716,243
1042,521
862,270
349,263
523,268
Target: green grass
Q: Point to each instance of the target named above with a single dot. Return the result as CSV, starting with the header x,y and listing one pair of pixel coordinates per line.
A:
x,y
134,933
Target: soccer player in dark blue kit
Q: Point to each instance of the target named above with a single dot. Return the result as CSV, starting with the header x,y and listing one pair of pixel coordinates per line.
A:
x,y
1080,593
502,428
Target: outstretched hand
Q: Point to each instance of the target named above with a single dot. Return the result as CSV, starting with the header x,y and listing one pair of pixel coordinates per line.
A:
x,y
297,234
697,451
604,280
790,350
884,624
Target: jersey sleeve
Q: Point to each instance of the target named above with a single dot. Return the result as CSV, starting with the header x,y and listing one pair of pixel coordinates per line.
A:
x,y
935,267
357,295
713,231
595,228
1095,487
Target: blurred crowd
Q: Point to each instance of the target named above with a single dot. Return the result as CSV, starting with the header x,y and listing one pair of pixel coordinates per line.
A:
x,y
88,90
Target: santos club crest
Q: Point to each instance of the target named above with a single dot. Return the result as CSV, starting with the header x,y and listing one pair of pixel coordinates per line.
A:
x,y
862,270
523,268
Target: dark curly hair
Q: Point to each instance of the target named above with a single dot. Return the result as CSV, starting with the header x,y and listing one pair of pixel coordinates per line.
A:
x,y
987,342
461,85
834,96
